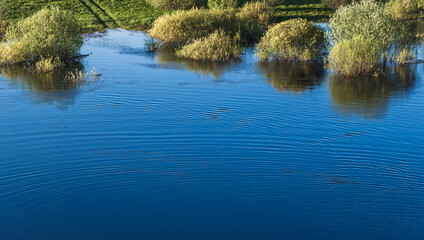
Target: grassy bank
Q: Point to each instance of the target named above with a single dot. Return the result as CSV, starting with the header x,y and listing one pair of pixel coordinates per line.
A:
x,y
312,10
94,14
137,14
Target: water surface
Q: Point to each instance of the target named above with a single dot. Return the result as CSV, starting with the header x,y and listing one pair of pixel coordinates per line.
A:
x,y
166,148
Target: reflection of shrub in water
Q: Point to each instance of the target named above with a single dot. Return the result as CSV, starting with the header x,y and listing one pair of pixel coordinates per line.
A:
x,y
292,77
51,88
201,68
370,96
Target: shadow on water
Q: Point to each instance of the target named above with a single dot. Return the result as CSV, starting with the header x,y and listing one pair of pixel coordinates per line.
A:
x,y
369,97
49,88
201,68
292,77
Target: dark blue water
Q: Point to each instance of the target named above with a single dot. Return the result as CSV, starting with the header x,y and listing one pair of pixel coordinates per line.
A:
x,y
171,149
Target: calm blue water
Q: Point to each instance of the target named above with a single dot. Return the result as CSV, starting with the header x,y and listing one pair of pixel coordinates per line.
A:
x,y
172,149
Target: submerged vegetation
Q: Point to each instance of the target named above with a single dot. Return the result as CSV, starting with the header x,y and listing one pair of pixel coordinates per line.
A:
x,y
292,40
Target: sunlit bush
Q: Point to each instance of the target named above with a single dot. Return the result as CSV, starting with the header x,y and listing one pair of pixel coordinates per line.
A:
x,y
336,3
259,12
183,26
292,40
402,9
49,32
355,57
364,36
177,4
12,53
218,46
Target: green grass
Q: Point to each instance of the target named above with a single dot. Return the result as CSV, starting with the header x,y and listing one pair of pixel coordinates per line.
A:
x,y
312,10
95,15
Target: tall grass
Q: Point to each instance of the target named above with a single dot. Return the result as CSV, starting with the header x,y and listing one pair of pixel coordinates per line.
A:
x,y
259,12
218,46
182,26
292,40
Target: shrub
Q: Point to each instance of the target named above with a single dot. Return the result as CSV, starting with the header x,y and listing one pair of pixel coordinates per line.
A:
x,y
334,4
182,26
49,64
218,46
177,4
12,53
363,32
402,9
355,57
295,39
368,19
222,4
49,32
259,12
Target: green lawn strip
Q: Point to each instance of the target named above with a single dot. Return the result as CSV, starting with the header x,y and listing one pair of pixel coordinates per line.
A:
x,y
96,15
131,14
313,10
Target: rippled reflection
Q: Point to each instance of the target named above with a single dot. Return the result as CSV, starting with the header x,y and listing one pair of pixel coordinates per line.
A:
x,y
50,88
292,77
370,96
201,68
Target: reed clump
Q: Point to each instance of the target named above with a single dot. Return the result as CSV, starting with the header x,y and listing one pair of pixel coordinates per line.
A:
x,y
259,12
218,46
292,40
49,64
181,27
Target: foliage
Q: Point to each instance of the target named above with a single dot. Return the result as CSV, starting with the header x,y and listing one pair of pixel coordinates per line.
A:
x,y
402,9
222,4
292,40
355,57
334,4
183,26
177,4
48,64
12,53
364,36
368,19
259,12
218,46
49,32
